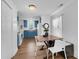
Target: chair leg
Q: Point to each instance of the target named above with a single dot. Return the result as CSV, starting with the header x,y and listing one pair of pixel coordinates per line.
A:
x,y
47,53
65,54
56,53
52,55
36,51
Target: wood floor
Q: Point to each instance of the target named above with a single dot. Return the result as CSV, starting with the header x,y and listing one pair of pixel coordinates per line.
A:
x,y
27,51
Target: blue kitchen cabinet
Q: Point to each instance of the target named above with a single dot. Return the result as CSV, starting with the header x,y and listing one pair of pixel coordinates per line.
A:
x,y
25,34
30,34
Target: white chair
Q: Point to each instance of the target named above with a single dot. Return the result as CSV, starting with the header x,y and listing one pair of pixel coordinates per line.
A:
x,y
58,47
38,44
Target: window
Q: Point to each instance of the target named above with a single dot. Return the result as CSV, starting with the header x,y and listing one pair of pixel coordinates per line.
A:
x,y
57,26
30,24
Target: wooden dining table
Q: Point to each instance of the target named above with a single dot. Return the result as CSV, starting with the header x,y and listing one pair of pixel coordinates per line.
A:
x,y
48,38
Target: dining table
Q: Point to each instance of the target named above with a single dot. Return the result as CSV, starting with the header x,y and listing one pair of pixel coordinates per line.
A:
x,y
41,38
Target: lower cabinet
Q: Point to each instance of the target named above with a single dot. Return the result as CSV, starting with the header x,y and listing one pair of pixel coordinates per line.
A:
x,y
30,34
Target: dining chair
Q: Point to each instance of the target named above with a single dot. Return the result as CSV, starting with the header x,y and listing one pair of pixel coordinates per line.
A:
x,y
38,44
58,47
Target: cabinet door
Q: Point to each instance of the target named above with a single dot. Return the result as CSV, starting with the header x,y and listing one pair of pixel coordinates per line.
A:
x,y
25,34
25,23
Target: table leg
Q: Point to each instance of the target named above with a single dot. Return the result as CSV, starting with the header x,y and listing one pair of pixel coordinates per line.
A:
x,y
42,47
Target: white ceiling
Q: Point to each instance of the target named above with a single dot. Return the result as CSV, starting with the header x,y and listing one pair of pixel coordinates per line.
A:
x,y
44,7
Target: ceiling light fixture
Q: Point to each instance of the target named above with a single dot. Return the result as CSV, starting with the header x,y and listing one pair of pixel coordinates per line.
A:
x,y
32,7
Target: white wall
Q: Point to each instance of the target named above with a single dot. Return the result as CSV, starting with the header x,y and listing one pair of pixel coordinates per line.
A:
x,y
8,29
70,25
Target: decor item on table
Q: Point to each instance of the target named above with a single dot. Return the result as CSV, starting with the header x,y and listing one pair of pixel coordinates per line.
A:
x,y
46,29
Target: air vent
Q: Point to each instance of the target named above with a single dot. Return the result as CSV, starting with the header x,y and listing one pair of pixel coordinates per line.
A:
x,y
60,5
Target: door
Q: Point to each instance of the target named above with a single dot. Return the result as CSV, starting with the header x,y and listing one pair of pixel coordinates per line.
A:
x,y
6,31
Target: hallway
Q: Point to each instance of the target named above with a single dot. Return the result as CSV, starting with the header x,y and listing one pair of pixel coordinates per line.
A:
x,y
27,51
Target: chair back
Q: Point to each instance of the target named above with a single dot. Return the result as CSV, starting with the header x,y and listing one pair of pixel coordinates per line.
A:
x,y
59,44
